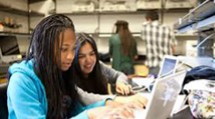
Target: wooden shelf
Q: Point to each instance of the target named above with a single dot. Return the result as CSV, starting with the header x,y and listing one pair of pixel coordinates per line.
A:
x,y
34,1
178,10
9,9
104,12
13,33
138,11
33,13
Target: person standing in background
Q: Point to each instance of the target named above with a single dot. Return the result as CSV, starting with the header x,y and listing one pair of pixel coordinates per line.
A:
x,y
159,39
123,48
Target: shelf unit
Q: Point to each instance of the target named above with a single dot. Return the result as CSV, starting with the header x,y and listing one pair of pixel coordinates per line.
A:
x,y
176,10
9,9
34,1
199,19
99,11
13,33
202,21
106,12
125,12
28,13
23,15
101,21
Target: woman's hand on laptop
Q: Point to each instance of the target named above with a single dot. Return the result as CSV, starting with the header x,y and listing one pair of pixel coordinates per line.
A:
x,y
136,99
109,112
123,89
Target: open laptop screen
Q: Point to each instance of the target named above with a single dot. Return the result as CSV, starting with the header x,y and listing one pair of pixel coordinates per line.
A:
x,y
9,49
168,66
9,45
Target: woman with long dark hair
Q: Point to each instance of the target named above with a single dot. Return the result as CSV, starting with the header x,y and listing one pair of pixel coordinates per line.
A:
x,y
122,48
42,86
92,75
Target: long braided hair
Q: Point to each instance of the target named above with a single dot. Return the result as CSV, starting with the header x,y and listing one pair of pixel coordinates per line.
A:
x,y
45,50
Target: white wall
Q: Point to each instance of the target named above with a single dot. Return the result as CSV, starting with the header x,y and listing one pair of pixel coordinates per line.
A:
x,y
34,21
170,18
23,42
85,23
134,20
89,23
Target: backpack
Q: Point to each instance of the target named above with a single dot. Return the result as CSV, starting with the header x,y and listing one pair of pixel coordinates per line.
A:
x,y
199,72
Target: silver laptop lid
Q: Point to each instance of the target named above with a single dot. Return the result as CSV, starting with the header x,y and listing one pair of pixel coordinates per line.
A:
x,y
164,95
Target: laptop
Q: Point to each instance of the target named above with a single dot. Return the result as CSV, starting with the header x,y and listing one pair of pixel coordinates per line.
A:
x,y
163,97
9,49
168,66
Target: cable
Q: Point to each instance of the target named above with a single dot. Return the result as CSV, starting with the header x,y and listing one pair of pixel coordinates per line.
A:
x,y
174,69
168,73
204,40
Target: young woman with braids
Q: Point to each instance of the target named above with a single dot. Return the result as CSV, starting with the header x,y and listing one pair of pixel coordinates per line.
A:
x,y
42,85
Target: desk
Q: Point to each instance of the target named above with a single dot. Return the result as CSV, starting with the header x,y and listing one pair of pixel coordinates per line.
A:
x,y
3,80
3,85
